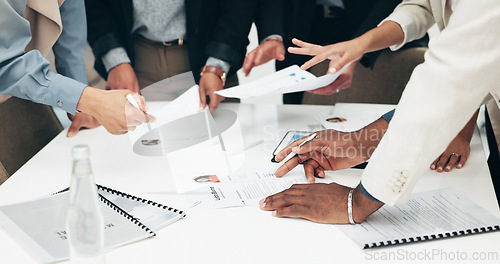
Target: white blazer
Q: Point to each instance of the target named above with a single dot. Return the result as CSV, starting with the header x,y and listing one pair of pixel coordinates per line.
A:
x,y
461,67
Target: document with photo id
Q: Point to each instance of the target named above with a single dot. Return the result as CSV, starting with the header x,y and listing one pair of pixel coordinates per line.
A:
x,y
244,189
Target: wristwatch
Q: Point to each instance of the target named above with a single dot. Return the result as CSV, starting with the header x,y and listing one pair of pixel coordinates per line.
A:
x,y
215,70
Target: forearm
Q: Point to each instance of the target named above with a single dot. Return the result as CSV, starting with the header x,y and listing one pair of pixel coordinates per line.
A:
x,y
367,139
468,130
362,206
388,34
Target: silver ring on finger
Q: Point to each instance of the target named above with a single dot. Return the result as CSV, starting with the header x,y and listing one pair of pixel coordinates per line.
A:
x,y
455,154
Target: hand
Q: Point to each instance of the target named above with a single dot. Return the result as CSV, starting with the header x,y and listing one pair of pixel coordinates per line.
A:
x,y
81,121
339,54
266,51
209,84
456,154
332,150
321,203
344,81
122,77
112,109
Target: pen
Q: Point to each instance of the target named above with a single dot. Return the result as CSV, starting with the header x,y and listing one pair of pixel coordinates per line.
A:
x,y
291,154
134,103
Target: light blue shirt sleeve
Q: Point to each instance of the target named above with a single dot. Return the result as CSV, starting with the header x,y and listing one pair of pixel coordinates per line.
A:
x,y
26,74
211,61
69,49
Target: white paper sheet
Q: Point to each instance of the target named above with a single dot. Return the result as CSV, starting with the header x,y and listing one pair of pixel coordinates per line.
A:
x,y
288,80
427,214
244,189
352,117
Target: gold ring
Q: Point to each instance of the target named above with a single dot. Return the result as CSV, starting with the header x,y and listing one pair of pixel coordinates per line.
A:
x,y
458,156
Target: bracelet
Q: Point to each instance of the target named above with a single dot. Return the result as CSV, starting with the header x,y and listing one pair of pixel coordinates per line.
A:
x,y
349,207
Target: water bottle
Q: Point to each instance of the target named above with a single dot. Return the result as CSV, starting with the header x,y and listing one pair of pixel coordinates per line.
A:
x,y
84,222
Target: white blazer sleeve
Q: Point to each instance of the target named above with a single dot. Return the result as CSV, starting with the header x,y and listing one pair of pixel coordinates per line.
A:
x,y
414,17
460,68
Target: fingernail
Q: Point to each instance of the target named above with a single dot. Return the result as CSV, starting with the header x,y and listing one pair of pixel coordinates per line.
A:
x,y
440,168
433,167
295,149
332,70
448,168
262,203
274,213
459,166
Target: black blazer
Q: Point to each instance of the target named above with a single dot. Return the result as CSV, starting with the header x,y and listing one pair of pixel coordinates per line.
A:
x,y
214,28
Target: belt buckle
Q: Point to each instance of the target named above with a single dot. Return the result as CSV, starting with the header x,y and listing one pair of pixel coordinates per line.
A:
x,y
180,42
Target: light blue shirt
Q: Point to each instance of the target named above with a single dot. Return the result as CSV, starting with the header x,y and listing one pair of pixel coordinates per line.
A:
x,y
157,20
26,74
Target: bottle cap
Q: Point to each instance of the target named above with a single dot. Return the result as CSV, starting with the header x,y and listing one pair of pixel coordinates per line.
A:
x,y
81,152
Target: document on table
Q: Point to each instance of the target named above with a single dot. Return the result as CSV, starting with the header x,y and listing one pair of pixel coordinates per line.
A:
x,y
288,80
428,215
40,225
352,117
244,189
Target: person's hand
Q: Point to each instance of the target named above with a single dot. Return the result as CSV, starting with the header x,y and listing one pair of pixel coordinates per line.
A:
x,y
456,154
339,54
344,81
458,151
81,121
321,203
122,77
266,51
209,84
332,150
112,109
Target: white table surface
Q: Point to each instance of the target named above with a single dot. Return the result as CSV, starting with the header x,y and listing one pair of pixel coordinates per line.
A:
x,y
243,234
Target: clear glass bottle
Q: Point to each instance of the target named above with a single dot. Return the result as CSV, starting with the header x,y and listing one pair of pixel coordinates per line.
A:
x,y
84,222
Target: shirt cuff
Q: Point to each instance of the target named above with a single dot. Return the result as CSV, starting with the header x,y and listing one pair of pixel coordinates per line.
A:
x,y
65,92
367,194
273,36
218,63
388,116
114,58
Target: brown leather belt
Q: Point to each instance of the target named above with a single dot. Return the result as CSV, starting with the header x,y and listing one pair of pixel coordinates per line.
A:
x,y
176,42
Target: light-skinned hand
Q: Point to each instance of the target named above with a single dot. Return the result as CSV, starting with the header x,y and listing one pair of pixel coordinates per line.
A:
x,y
81,121
339,54
122,77
209,84
344,81
112,109
266,51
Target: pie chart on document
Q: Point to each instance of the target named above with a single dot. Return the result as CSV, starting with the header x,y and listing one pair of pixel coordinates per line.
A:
x,y
184,132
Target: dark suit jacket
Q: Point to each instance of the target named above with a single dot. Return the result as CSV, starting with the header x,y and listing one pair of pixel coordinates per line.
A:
x,y
215,28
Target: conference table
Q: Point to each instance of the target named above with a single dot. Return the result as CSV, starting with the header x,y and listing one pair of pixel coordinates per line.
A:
x,y
242,234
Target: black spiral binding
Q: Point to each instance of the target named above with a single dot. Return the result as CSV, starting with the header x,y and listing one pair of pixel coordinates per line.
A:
x,y
126,195
433,237
126,215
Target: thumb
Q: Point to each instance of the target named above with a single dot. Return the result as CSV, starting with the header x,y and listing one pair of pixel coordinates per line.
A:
x,y
279,54
74,128
337,65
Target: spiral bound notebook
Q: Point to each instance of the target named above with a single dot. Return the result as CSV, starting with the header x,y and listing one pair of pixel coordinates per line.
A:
x,y
427,216
39,225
